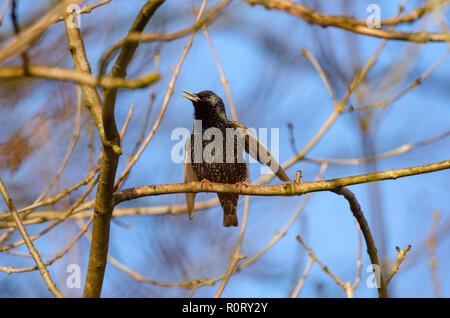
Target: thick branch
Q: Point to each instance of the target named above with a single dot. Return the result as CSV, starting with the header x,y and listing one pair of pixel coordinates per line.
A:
x,y
103,200
91,97
104,203
288,189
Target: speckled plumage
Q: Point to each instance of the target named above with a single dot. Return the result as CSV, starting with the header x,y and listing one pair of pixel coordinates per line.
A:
x,y
221,172
210,110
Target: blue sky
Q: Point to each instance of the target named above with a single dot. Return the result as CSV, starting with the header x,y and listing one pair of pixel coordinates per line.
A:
x,y
271,86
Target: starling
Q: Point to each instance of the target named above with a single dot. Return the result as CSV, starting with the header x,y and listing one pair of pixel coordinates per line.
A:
x,y
225,165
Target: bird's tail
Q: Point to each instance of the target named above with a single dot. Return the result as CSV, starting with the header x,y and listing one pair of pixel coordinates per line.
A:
x,y
229,206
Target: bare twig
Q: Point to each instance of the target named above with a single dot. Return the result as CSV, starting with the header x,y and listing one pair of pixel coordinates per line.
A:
x,y
432,260
56,257
127,121
322,74
324,268
223,79
388,154
235,256
33,251
400,257
358,259
149,108
5,7
417,81
302,279
76,134
15,22
87,8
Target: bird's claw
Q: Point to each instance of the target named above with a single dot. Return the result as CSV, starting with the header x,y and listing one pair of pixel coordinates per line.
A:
x,y
206,183
239,185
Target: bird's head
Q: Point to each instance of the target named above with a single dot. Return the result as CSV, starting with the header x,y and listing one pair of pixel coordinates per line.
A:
x,y
206,104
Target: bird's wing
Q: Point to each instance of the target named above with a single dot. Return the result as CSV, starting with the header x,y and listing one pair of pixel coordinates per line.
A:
x,y
189,176
259,152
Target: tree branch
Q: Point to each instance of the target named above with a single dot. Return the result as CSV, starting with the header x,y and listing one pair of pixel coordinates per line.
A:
x,y
355,207
104,203
56,73
348,23
288,189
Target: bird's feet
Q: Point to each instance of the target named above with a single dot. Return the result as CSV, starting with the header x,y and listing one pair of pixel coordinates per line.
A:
x,y
239,185
206,183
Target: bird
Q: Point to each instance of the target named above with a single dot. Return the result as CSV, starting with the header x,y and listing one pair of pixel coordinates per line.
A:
x,y
210,115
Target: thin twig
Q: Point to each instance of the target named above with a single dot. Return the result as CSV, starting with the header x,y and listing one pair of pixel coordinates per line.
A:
x,y
322,74
432,260
59,220
324,268
358,259
33,251
302,279
149,108
56,257
127,121
388,154
5,7
400,257
235,256
15,22
417,81
76,135
223,79
87,8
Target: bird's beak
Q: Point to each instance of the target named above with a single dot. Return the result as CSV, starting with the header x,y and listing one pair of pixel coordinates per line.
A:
x,y
191,96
